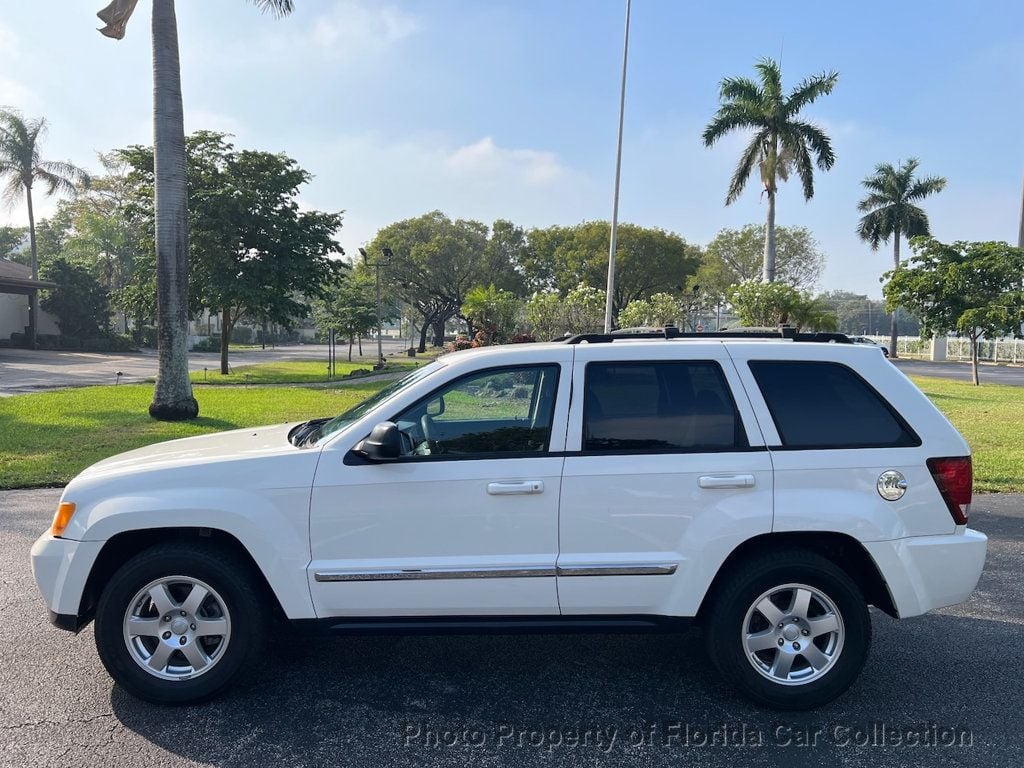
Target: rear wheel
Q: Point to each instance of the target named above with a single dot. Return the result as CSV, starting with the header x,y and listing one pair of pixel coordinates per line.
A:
x,y
179,622
790,630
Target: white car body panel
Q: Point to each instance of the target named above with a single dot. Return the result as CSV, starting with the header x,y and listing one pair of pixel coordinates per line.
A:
x,y
304,511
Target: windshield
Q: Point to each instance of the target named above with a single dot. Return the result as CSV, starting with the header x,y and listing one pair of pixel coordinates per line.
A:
x,y
367,405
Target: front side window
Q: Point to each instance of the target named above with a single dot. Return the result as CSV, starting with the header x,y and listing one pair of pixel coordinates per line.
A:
x,y
676,406
827,405
492,413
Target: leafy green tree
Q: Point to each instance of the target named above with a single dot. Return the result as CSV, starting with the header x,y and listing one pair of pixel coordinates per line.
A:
x,y
21,168
493,311
172,397
435,262
11,239
659,310
769,305
552,316
647,260
253,252
891,211
78,301
348,307
971,289
737,255
857,314
783,142
506,251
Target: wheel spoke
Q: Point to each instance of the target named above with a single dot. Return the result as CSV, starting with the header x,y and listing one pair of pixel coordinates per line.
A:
x,y
801,603
195,656
194,600
210,627
161,598
762,641
770,611
160,657
783,663
814,656
822,625
138,627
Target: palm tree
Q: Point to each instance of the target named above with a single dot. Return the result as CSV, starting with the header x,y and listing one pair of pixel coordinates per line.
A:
x,y
172,396
890,211
782,143
20,169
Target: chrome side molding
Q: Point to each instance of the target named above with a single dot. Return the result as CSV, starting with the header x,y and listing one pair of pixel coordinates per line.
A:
x,y
498,572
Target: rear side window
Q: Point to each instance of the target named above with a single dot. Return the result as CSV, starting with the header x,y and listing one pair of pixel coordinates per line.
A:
x,y
827,405
659,407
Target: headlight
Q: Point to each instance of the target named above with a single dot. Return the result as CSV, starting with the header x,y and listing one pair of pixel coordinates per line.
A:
x,y
60,520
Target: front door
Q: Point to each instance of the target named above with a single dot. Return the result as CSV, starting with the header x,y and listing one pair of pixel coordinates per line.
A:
x,y
465,522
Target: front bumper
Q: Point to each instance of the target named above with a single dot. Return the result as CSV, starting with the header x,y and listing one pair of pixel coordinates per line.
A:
x,y
926,572
61,569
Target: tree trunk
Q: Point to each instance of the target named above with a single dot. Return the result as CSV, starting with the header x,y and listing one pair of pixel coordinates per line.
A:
x,y
33,297
439,333
894,327
172,397
226,324
360,344
769,240
423,336
974,359
350,340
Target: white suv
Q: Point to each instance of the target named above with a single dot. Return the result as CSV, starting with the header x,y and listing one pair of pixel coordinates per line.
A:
x,y
771,490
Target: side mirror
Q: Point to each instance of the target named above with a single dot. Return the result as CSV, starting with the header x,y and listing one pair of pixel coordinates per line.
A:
x,y
435,407
384,443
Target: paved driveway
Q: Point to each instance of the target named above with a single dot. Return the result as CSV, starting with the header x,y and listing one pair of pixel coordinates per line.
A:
x,y
23,371
995,374
498,700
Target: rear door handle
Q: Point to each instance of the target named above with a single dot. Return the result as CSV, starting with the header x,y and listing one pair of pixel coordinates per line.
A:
x,y
519,487
726,481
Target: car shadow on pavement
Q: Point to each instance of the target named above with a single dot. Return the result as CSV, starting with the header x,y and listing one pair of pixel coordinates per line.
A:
x,y
484,699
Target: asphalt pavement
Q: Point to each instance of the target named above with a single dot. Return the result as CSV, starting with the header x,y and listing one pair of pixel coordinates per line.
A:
x,y
1012,375
23,371
951,677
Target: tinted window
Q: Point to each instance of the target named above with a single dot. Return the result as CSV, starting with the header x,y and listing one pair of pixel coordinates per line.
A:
x,y
500,411
827,405
669,406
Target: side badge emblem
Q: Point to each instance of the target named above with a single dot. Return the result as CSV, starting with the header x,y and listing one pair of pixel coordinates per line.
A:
x,y
891,485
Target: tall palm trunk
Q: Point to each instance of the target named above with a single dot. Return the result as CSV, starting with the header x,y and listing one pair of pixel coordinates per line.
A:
x,y
33,297
769,240
172,398
893,328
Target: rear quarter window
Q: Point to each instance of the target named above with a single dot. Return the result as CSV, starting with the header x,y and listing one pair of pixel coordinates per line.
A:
x,y
818,405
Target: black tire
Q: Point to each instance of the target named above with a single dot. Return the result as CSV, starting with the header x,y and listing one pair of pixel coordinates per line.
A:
x,y
744,585
233,581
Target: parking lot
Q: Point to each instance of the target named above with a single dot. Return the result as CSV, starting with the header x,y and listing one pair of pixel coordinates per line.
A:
x,y
943,689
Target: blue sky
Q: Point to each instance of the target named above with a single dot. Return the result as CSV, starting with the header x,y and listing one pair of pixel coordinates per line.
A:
x,y
508,109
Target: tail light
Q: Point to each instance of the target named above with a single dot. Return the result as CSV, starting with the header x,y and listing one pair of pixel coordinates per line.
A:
x,y
954,477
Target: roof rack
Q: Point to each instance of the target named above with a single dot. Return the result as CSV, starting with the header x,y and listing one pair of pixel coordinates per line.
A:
x,y
671,332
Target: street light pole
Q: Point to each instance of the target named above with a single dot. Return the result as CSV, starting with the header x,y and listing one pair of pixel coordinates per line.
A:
x,y
610,290
383,260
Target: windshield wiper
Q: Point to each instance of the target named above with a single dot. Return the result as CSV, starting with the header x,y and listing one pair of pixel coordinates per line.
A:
x,y
300,433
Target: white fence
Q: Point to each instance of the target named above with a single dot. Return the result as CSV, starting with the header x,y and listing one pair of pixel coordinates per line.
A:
x,y
995,351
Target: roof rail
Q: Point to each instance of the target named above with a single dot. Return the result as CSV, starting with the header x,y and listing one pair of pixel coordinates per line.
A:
x,y
671,332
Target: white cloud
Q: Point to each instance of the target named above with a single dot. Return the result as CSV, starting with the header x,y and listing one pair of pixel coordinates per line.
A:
x,y
17,95
484,159
9,44
208,120
353,28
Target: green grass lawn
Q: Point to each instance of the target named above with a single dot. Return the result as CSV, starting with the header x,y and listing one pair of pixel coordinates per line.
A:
x,y
991,418
291,372
46,439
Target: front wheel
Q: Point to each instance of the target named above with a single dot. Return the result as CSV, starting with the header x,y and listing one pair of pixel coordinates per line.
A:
x,y
179,622
790,630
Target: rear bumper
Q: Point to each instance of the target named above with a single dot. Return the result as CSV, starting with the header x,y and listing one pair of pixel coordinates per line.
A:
x,y
926,572
61,568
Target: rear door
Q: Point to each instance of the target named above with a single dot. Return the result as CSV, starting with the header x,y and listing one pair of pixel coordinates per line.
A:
x,y
665,473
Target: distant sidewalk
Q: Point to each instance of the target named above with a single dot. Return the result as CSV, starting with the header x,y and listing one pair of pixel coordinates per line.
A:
x,y
992,374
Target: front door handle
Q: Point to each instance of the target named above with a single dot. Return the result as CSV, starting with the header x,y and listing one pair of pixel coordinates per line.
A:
x,y
518,487
726,481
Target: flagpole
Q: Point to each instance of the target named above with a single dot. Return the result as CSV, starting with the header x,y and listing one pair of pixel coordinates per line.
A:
x,y
610,291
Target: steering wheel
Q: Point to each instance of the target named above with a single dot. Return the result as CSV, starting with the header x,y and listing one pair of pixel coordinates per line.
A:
x,y
430,432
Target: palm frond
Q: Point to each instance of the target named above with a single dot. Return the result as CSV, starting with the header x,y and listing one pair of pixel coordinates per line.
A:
x,y
929,185
278,8
817,141
915,221
740,89
746,165
13,189
729,118
771,78
874,201
872,229
804,168
70,176
809,90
